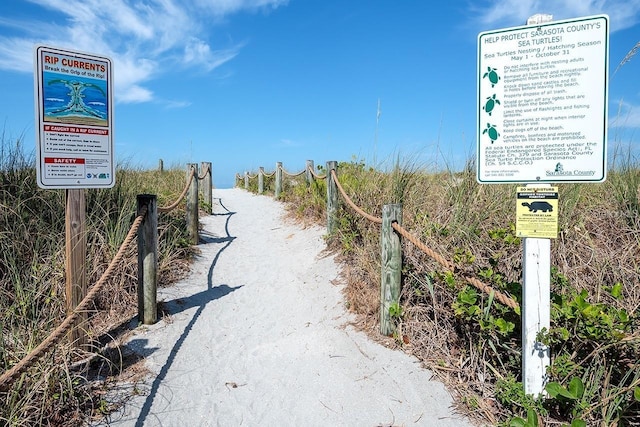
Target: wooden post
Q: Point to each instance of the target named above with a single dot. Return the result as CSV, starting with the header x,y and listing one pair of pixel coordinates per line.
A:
x,y
278,179
332,198
192,204
207,186
391,267
76,255
148,260
308,175
261,180
246,180
160,166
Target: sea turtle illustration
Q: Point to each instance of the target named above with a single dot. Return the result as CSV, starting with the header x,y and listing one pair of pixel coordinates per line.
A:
x,y
491,103
492,75
492,132
538,206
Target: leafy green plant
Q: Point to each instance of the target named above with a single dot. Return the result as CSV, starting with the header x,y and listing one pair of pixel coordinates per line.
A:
x,y
395,311
531,421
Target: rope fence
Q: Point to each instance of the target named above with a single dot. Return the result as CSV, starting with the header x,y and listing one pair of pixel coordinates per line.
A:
x,y
144,214
504,299
278,173
334,187
293,175
316,176
175,204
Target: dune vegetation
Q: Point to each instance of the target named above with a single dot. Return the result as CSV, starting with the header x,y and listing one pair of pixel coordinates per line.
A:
x,y
466,337
67,386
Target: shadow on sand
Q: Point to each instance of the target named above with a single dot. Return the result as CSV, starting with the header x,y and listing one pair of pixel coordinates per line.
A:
x,y
200,300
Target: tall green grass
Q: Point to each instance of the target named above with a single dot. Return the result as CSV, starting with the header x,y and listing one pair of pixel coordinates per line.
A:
x,y
57,390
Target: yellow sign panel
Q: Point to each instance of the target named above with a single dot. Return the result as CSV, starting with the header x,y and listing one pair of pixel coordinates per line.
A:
x,y
537,212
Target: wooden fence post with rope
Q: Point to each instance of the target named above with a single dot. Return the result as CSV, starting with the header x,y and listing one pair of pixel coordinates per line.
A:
x,y
147,218
391,247
391,277
309,172
332,197
246,180
192,203
148,259
278,179
207,186
261,180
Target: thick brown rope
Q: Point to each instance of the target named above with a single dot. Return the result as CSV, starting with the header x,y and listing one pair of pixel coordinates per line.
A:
x,y
205,173
315,175
8,377
251,176
180,197
504,299
292,174
269,175
350,202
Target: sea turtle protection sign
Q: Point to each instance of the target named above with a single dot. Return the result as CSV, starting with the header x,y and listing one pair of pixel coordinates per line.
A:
x,y
74,119
537,212
542,102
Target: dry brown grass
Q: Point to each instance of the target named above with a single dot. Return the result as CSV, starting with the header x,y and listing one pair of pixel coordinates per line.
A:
x,y
472,225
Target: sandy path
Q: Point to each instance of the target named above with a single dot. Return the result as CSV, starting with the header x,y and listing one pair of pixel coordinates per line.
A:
x,y
257,337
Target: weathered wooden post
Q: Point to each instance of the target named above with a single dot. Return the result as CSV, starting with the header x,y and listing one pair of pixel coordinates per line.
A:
x,y
278,179
207,186
246,180
160,165
148,260
76,256
332,197
308,172
261,180
192,204
391,267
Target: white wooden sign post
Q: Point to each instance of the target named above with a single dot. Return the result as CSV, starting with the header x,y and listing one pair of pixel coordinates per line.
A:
x,y
542,113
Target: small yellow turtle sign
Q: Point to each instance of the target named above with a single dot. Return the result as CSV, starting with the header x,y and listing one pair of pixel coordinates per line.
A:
x,y
537,212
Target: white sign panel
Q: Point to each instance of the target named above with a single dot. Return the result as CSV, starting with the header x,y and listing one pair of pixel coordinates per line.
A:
x,y
542,102
74,119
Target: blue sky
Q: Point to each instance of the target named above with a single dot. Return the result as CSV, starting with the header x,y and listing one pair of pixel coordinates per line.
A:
x,y
247,83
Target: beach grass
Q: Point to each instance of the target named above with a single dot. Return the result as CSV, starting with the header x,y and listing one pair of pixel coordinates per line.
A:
x,y
467,338
67,385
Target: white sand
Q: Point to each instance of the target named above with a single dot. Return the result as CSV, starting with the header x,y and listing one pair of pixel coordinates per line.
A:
x,y
258,336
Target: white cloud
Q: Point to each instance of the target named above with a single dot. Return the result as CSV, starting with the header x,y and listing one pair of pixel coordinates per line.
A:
x,y
197,52
626,116
225,7
13,54
509,13
142,38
